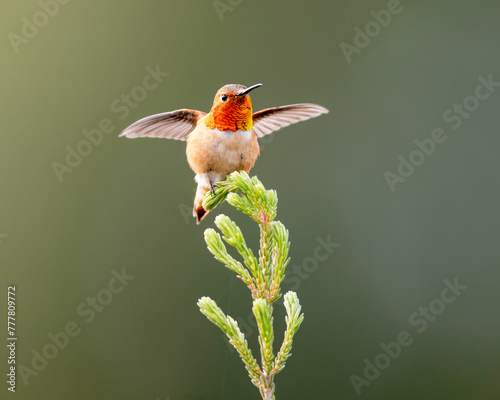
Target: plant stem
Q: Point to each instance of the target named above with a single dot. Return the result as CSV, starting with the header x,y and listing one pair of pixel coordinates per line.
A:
x,y
267,388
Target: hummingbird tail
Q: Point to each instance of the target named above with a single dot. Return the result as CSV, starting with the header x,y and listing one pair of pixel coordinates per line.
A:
x,y
198,211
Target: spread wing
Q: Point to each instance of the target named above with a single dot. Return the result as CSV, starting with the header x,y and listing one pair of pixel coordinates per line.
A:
x,y
170,125
272,119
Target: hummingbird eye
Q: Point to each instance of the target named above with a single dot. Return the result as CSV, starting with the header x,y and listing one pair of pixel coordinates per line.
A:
x,y
223,97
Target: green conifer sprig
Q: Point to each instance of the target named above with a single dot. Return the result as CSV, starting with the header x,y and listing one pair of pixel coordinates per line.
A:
x,y
230,327
262,275
293,320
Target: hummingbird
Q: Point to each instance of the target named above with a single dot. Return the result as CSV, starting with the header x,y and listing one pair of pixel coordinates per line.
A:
x,y
225,139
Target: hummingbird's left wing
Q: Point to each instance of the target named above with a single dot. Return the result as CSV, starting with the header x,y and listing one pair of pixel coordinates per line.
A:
x,y
272,119
170,125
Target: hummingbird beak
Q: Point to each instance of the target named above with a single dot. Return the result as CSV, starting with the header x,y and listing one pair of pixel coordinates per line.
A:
x,y
248,90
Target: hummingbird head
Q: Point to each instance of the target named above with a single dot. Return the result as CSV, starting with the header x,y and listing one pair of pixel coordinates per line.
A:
x,y
232,108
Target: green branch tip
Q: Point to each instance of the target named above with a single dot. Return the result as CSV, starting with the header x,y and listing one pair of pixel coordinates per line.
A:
x,y
263,312
254,200
219,251
293,320
229,326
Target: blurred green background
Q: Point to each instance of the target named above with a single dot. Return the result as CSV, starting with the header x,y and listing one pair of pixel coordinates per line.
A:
x,y
127,204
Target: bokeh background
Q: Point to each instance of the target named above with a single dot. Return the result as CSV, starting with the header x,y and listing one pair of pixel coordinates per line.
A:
x,y
127,204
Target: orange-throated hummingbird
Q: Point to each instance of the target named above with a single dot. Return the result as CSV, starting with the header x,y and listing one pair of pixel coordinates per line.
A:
x,y
225,139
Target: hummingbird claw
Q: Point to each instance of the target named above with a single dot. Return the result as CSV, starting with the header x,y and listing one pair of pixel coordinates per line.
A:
x,y
212,189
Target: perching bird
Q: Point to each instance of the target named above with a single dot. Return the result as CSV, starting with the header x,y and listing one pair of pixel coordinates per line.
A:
x,y
225,139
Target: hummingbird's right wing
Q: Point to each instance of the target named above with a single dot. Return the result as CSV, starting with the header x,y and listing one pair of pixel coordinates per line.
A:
x,y
272,119
170,125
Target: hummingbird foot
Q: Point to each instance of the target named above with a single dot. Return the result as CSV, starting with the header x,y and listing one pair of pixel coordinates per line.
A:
x,y
212,188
